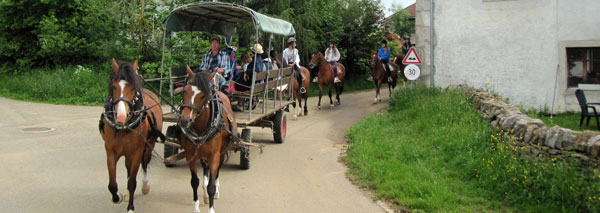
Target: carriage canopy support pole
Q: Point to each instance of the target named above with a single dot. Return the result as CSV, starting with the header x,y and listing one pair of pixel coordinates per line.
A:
x,y
253,78
162,62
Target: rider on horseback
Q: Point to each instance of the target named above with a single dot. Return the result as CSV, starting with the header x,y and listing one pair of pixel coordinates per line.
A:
x,y
384,56
332,55
291,58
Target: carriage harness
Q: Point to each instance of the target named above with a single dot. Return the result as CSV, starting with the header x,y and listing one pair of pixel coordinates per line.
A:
x,y
216,121
136,116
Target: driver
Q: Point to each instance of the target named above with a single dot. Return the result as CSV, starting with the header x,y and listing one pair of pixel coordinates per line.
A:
x,y
216,60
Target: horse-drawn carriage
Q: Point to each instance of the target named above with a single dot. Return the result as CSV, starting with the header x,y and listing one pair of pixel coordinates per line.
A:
x,y
222,19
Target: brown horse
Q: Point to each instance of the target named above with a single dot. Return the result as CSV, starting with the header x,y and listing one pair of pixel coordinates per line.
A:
x,y
325,77
129,125
297,96
380,76
207,131
400,67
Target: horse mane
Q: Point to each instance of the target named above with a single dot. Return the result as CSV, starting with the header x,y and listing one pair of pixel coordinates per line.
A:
x,y
200,80
126,73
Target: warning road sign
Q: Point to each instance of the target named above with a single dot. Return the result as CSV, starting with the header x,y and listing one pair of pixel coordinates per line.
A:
x,y
411,57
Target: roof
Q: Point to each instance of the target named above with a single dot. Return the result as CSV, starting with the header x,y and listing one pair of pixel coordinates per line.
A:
x,y
412,9
222,18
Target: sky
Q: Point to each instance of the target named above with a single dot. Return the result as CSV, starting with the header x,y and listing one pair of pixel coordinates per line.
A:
x,y
388,4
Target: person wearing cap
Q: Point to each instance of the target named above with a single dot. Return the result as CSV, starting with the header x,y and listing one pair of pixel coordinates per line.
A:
x,y
250,68
332,55
406,46
216,60
384,56
292,59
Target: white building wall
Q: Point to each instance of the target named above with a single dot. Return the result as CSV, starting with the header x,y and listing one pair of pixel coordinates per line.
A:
x,y
512,47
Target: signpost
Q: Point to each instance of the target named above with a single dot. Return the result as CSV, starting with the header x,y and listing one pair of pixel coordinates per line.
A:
x,y
412,71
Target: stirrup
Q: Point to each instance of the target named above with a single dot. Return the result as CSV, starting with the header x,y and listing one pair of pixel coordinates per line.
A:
x,y
336,80
302,90
390,79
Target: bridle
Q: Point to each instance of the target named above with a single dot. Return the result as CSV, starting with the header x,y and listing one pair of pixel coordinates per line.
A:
x,y
216,120
134,117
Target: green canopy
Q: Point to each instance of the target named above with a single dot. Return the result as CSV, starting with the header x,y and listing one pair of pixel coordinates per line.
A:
x,y
222,18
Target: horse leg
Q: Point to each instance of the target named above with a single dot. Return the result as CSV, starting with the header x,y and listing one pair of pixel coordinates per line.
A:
x,y
320,95
145,161
205,182
299,99
338,90
213,167
111,162
305,108
295,110
131,181
377,85
330,100
194,182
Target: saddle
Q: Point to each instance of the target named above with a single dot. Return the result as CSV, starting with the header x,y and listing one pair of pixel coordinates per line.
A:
x,y
332,69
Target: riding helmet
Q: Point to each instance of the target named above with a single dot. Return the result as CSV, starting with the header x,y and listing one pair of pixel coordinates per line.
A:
x,y
291,39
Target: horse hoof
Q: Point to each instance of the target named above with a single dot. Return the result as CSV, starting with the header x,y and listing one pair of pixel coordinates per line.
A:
x,y
295,117
130,211
375,101
379,99
120,198
206,200
196,207
318,107
331,106
146,188
305,113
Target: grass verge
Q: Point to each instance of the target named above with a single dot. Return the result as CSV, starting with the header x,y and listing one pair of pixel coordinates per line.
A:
x,y
432,152
77,85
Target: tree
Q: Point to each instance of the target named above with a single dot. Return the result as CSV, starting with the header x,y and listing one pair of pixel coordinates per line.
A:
x,y
400,22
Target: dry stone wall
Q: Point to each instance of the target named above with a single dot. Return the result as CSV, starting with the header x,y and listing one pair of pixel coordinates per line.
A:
x,y
533,134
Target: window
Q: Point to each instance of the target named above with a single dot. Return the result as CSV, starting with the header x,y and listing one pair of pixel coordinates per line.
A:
x,y
583,65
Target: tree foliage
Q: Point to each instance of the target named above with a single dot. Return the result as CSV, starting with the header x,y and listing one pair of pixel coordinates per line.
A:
x,y
400,23
38,33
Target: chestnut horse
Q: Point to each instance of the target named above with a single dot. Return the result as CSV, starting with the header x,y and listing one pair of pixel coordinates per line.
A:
x,y
380,76
325,77
130,124
297,96
208,130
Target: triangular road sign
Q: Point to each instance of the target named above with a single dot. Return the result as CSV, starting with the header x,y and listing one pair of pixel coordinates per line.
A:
x,y
411,57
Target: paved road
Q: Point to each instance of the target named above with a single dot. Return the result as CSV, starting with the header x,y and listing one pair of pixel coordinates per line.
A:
x,y
64,170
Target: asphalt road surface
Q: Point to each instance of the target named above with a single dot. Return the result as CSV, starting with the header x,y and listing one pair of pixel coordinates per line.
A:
x,y
63,168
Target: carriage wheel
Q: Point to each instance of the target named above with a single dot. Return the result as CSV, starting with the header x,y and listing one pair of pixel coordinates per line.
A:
x,y
280,127
170,151
244,158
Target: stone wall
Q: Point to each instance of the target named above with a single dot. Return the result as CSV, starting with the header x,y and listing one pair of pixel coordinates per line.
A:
x,y
533,134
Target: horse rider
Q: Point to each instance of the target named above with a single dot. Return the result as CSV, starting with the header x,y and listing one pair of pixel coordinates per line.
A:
x,y
216,60
292,59
384,56
406,46
332,55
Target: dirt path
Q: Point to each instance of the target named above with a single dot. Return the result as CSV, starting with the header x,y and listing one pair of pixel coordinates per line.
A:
x,y
64,170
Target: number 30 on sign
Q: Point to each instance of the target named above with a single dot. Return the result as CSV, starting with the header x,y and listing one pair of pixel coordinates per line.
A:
x,y
412,72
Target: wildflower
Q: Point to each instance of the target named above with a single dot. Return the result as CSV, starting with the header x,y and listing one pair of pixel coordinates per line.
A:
x,y
554,159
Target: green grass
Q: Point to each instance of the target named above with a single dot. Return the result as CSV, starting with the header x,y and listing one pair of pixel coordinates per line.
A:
x,y
67,85
87,85
432,152
568,120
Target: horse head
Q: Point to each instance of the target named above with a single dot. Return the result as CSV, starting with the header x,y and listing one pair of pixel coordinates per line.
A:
x,y
197,93
316,58
125,92
374,58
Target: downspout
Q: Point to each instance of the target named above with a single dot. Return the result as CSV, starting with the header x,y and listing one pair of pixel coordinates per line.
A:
x,y
431,55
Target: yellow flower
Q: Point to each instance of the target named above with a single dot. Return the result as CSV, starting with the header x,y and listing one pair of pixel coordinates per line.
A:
x,y
553,159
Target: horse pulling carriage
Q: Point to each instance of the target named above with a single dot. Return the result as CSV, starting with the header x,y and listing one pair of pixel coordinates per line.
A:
x,y
205,126
222,19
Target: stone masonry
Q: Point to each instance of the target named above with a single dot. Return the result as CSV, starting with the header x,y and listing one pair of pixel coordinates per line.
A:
x,y
555,141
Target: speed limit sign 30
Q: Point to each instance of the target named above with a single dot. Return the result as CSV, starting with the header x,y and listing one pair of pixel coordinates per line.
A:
x,y
412,72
